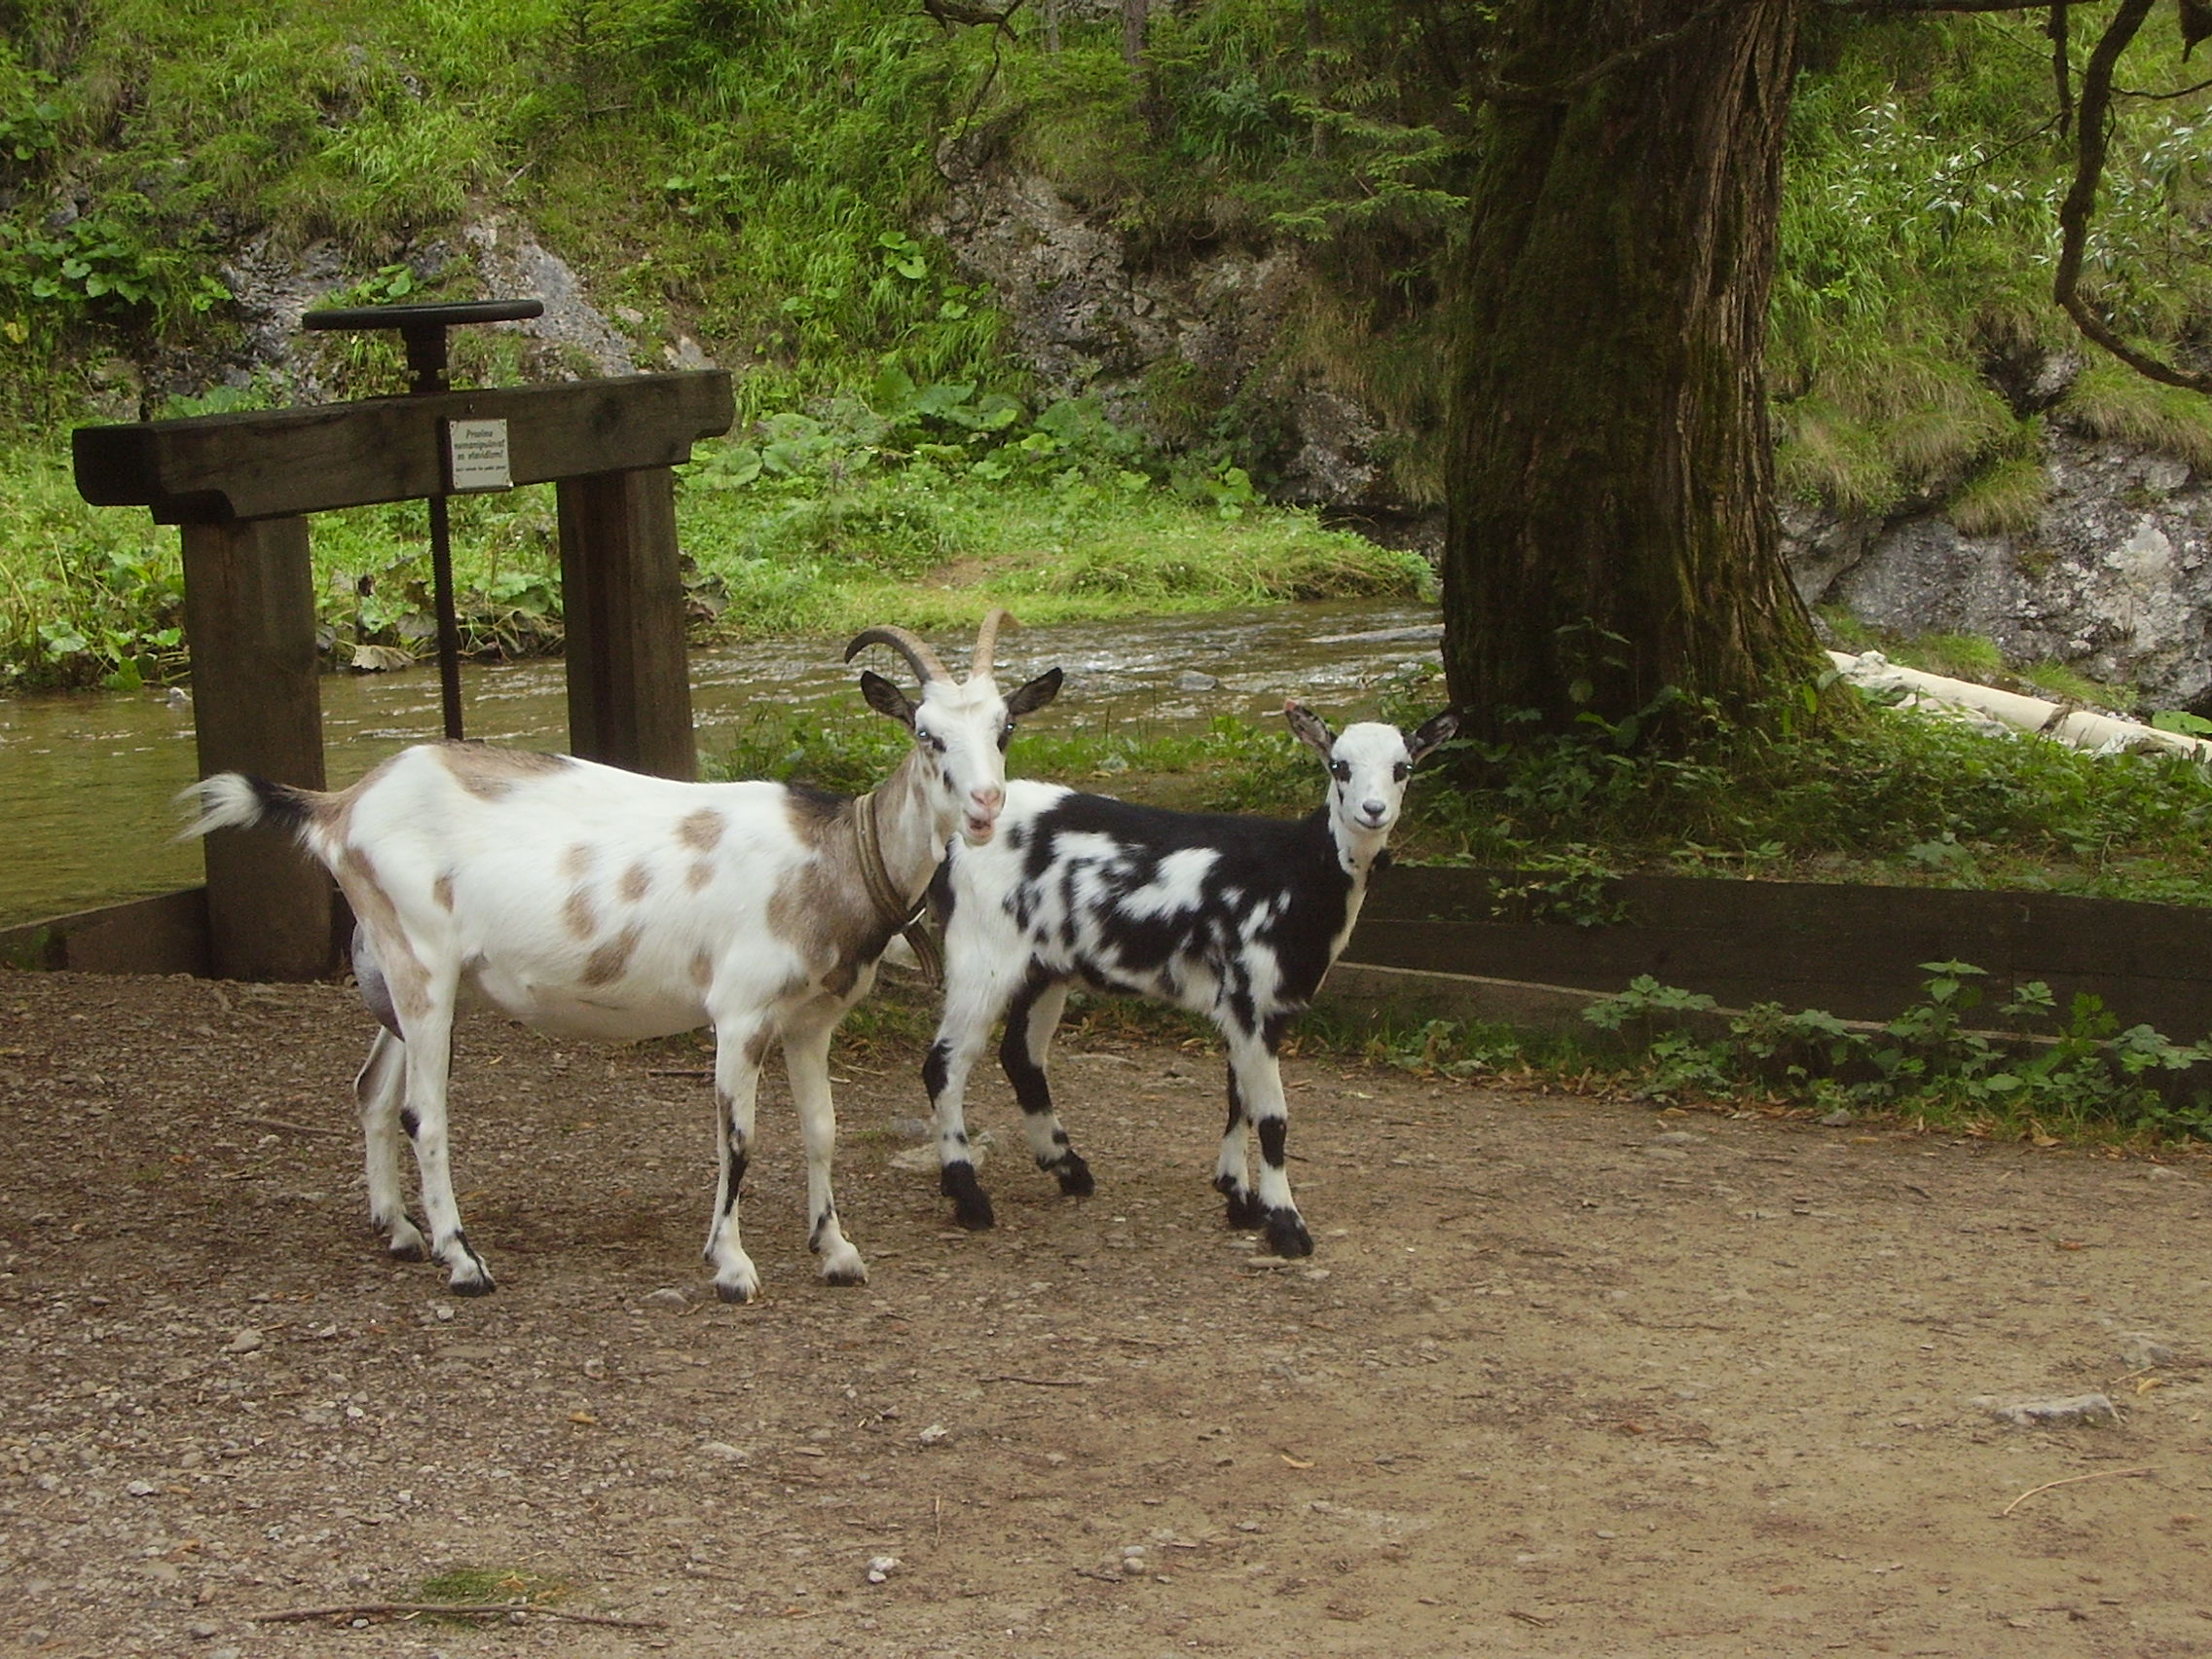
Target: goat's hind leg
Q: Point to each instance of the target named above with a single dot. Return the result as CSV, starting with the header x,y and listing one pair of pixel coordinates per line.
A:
x,y
740,1046
429,1050
377,1092
1023,1054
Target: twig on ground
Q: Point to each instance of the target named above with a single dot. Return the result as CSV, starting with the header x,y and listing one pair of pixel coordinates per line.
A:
x,y
463,1609
1048,1381
2069,1479
292,1128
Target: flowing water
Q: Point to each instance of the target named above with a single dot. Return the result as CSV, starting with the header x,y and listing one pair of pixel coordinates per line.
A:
x,y
86,781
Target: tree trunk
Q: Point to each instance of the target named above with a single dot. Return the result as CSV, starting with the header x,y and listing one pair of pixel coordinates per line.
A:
x,y
1611,529
1136,18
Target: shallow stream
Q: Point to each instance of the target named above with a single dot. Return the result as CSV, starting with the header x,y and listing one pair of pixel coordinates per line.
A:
x,y
86,781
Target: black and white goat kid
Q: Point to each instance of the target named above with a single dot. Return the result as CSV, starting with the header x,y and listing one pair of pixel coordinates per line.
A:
x,y
594,902
1235,917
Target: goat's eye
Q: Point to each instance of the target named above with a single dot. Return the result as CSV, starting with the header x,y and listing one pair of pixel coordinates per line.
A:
x,y
1341,770
1006,736
1402,771
936,743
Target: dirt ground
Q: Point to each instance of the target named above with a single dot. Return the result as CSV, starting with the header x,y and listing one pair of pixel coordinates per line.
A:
x,y
1564,1377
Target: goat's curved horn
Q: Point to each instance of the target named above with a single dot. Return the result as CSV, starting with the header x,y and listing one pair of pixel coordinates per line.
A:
x,y
919,657
988,642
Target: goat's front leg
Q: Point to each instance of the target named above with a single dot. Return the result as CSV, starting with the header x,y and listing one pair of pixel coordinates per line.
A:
x,y
429,1050
1232,1169
377,1092
806,1061
974,992
1255,1094
1023,1054
740,1046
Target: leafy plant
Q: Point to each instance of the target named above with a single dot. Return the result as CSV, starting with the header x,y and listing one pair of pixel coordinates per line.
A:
x,y
2033,1069
1573,883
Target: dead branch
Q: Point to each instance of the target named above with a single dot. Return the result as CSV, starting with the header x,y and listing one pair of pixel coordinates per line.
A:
x,y
2069,1479
463,1609
2093,135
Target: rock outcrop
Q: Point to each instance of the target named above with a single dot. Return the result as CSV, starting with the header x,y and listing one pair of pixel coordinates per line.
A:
x,y
2114,581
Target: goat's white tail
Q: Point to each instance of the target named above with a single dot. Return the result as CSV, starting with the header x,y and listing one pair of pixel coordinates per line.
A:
x,y
232,800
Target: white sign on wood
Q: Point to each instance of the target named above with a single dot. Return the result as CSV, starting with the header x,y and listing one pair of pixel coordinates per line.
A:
x,y
476,456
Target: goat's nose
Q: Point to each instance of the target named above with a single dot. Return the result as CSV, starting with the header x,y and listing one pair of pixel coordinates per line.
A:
x,y
988,801
1376,810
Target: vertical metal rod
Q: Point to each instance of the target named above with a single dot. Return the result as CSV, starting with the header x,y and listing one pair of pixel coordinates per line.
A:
x,y
449,620
426,356
423,331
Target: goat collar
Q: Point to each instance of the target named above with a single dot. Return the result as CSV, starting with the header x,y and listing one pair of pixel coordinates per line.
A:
x,y
892,908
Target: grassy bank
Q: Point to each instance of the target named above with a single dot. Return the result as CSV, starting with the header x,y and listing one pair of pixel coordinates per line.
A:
x,y
779,536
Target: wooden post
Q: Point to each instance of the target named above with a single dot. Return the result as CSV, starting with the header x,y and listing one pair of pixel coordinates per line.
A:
x,y
250,612
238,484
622,593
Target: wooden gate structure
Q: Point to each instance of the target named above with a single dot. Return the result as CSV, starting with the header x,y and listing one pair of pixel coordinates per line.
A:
x,y
240,488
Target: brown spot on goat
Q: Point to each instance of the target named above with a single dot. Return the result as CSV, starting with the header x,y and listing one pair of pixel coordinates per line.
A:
x,y
575,861
403,971
699,875
823,909
814,814
577,912
442,891
491,774
702,970
701,830
608,963
637,882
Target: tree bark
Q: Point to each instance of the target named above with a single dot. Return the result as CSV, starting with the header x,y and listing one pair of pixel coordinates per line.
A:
x,y
1612,530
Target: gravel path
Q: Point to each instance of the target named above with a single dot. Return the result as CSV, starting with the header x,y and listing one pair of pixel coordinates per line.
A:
x,y
1564,1375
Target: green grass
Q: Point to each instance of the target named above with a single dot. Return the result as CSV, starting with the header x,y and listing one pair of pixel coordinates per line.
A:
x,y
1892,798
2112,401
485,1587
2006,497
90,596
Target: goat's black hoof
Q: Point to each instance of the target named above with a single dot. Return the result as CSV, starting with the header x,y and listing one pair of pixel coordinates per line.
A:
x,y
1244,1209
481,1286
971,1204
407,1250
974,1212
1287,1235
1074,1177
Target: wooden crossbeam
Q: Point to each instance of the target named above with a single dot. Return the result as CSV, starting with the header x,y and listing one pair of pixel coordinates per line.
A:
x,y
283,463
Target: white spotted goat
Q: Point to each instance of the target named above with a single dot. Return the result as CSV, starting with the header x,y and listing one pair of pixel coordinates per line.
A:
x,y
601,903
1235,917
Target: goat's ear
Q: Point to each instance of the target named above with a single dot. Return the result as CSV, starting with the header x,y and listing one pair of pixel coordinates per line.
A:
x,y
1029,698
1436,730
1309,728
886,698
